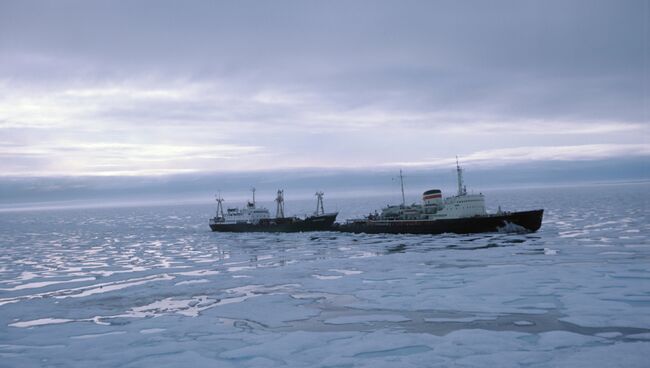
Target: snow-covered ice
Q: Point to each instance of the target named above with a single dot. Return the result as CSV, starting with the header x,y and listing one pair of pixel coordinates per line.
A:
x,y
149,287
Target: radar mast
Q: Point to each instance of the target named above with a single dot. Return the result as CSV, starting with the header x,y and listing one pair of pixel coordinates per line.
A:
x,y
279,209
461,186
319,204
219,205
401,180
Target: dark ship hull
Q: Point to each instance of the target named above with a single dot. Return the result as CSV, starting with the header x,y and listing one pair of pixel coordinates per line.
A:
x,y
280,225
528,221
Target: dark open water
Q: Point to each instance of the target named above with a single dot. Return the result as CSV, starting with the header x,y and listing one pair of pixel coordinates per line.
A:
x,y
153,287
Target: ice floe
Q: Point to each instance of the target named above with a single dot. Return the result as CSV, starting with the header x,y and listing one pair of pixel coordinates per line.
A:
x,y
154,287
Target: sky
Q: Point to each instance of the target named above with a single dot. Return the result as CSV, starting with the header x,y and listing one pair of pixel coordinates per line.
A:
x,y
142,88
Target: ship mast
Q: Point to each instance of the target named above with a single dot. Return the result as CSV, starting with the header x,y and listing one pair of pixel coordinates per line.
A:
x,y
319,204
401,180
253,190
220,206
461,186
279,209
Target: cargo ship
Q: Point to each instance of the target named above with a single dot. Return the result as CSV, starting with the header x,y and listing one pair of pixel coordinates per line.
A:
x,y
252,218
462,213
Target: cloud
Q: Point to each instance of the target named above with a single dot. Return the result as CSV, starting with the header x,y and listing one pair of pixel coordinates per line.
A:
x,y
153,126
287,84
505,156
109,158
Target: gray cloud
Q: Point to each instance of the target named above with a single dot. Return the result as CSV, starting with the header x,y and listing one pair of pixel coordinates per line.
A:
x,y
317,83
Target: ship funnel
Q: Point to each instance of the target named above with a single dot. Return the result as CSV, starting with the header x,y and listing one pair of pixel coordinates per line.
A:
x,y
432,197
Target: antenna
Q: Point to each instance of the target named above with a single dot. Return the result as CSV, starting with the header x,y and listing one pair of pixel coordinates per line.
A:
x,y
461,186
401,179
279,209
319,204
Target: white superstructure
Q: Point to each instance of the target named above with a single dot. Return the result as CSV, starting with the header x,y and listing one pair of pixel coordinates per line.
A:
x,y
249,214
433,206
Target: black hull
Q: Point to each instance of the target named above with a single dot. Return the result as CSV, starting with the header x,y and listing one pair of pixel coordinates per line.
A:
x,y
283,225
529,221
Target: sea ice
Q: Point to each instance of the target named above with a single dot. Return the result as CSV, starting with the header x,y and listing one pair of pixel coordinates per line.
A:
x,y
40,322
248,300
366,318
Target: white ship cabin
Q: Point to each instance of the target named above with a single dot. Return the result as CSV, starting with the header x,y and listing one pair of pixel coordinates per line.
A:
x,y
466,205
233,215
433,206
248,214
459,206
